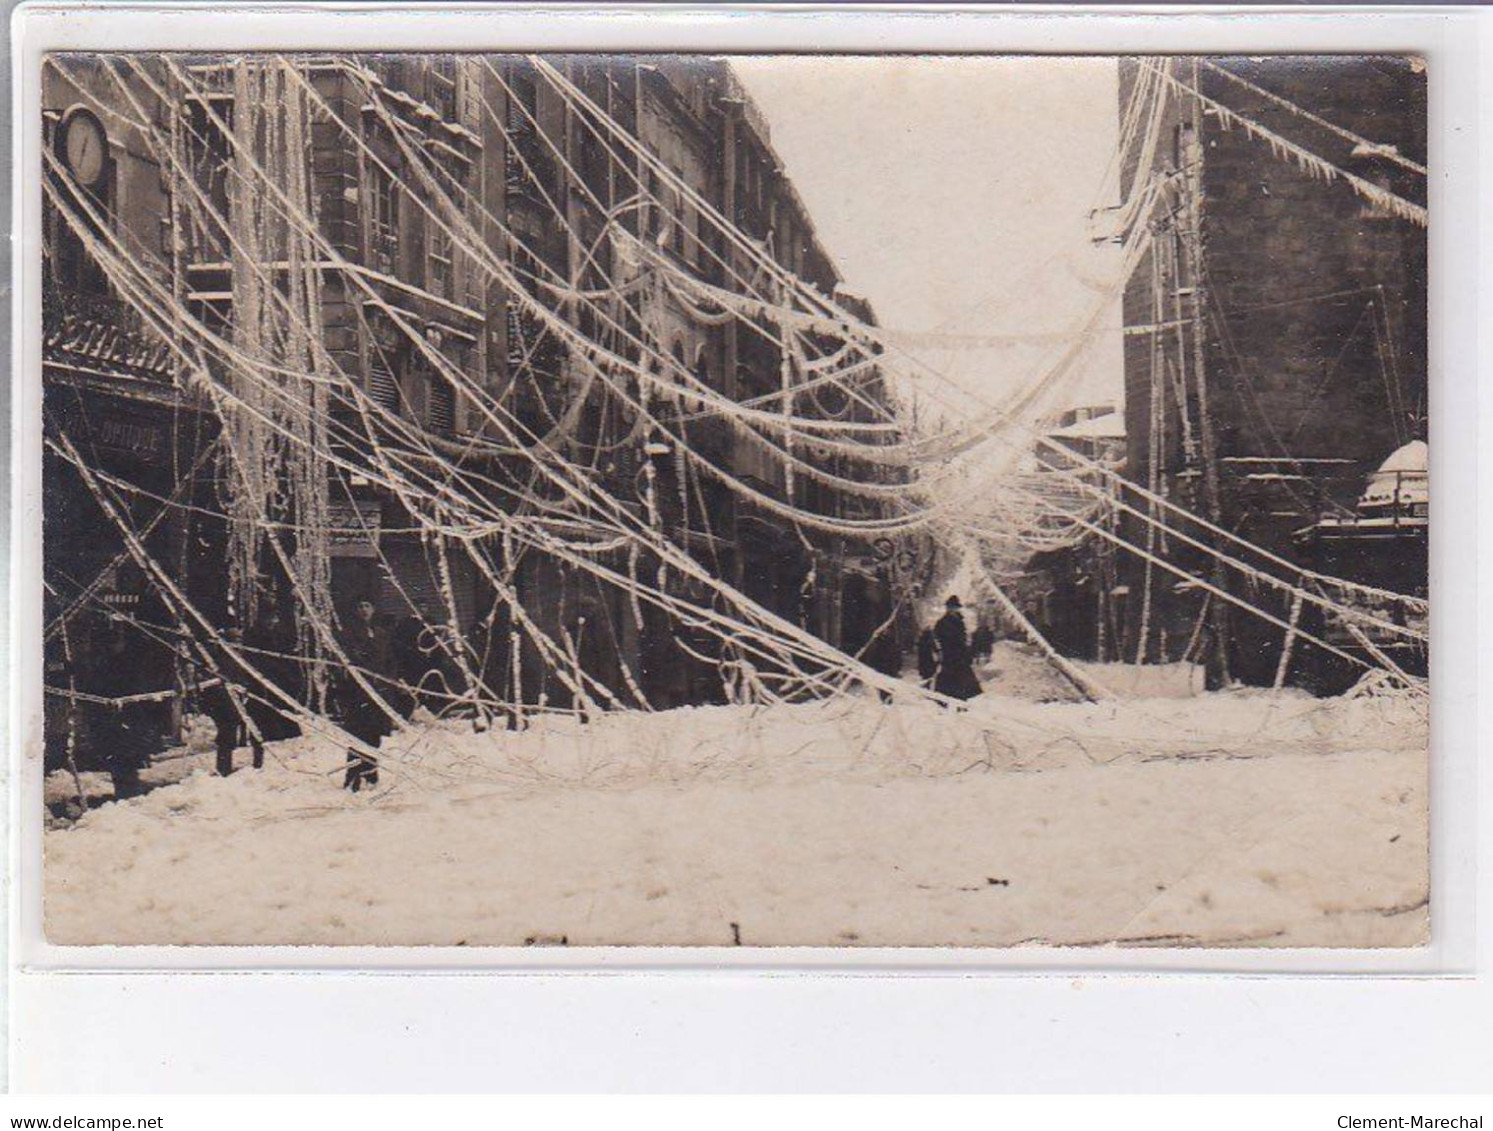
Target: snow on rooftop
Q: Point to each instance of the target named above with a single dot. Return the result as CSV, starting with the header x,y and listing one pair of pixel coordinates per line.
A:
x,y
1414,456
1110,426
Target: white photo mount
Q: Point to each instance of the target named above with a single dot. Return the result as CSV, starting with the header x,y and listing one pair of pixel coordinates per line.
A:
x,y
1450,41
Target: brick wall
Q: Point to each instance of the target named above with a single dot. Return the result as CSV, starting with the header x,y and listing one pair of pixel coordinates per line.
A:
x,y
1314,305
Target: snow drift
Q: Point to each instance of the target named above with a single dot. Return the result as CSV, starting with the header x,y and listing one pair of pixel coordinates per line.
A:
x,y
1238,818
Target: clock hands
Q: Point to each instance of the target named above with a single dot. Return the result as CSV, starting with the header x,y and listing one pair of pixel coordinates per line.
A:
x,y
84,148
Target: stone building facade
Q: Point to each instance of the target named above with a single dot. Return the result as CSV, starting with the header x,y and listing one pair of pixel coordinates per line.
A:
x,y
504,141
1276,344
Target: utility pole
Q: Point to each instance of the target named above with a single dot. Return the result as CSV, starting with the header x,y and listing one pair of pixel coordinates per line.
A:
x,y
731,346
179,521
1218,662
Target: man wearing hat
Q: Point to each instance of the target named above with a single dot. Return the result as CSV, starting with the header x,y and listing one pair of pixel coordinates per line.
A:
x,y
956,672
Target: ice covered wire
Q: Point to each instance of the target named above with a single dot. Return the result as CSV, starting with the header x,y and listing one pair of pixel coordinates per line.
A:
x,y
298,428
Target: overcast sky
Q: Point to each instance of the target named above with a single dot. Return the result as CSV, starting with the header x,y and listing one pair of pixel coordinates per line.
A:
x,y
954,192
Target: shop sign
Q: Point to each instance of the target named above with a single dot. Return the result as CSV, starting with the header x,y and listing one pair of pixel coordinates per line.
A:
x,y
131,435
354,528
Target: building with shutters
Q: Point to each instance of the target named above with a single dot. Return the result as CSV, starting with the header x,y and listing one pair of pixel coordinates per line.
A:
x,y
379,273
111,380
695,116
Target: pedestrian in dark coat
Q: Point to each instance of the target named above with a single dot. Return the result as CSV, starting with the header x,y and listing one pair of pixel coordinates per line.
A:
x,y
363,717
270,653
956,673
442,684
883,654
982,642
224,697
123,729
927,655
407,664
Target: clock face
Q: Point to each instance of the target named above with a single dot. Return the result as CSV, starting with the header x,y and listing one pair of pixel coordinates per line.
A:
x,y
84,147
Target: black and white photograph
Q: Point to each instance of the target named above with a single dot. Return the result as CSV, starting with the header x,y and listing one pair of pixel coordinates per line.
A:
x,y
685,500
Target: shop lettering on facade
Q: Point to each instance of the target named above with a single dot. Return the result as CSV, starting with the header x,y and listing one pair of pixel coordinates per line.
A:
x,y
132,436
354,527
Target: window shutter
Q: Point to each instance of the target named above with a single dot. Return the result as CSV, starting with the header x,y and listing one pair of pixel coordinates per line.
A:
x,y
442,405
382,387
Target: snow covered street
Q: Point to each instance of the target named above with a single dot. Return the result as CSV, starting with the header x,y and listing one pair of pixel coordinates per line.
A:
x,y
1228,819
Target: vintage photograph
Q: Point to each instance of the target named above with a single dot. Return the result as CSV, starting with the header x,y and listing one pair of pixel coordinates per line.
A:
x,y
502,500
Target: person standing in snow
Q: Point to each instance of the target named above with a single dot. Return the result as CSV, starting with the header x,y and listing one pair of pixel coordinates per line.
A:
x,y
270,649
363,716
121,724
956,673
406,664
927,656
982,641
883,654
222,698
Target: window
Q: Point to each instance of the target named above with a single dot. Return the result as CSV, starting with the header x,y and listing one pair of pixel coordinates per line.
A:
x,y
209,156
593,162
741,188
1184,146
526,94
443,85
650,209
1374,208
442,404
74,268
393,67
439,274
536,174
469,101
676,222
383,218
383,387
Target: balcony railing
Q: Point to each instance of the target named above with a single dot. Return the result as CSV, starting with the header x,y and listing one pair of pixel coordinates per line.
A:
x,y
534,174
101,331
